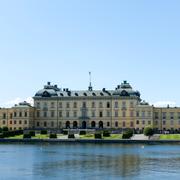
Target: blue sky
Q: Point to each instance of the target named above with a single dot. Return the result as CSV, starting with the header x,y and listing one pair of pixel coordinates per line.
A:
x,y
61,41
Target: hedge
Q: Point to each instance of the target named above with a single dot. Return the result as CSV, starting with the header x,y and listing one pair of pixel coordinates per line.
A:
x,y
44,132
71,136
32,133
82,133
53,136
106,134
127,134
98,136
26,136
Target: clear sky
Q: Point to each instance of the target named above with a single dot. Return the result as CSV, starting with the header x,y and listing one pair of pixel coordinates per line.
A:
x,y
62,40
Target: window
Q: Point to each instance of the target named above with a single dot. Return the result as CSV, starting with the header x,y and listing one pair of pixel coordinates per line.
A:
x,y
52,124
11,115
172,115
84,105
172,123
116,104
137,114
52,104
116,124
164,115
52,113
14,121
164,122
143,122
131,104
108,104
4,115
25,122
60,105
20,114
100,114
143,113
67,114
124,124
124,104
75,113
93,114
45,114
178,115
93,104
45,124
149,113
37,124
25,114
20,122
38,114
137,122
131,124
4,122
75,104
67,105
60,114
10,122
156,115
108,124
124,114
132,113
38,105
108,114
116,113
45,105
100,105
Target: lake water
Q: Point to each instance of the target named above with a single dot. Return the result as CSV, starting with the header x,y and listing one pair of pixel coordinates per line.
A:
x,y
89,161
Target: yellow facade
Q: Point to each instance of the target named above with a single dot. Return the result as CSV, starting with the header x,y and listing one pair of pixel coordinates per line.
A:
x,y
121,108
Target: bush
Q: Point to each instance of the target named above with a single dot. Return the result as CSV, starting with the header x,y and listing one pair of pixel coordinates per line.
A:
x,y
53,136
1,130
1,136
43,132
98,136
5,129
32,133
82,133
127,134
148,131
106,134
26,136
71,136
65,132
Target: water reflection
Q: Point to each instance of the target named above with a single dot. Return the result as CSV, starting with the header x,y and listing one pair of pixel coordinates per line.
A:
x,y
95,162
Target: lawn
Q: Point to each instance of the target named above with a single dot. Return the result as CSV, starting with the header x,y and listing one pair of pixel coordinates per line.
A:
x,y
169,137
114,136
91,136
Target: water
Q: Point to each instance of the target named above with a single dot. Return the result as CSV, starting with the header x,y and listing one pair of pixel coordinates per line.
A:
x,y
89,161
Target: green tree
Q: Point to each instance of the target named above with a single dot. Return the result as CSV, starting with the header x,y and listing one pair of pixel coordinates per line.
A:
x,y
127,134
148,131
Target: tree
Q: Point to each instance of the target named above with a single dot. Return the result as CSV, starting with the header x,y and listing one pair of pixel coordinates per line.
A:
x,y
127,134
148,131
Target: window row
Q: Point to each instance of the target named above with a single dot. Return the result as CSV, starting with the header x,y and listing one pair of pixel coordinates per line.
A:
x,y
15,114
165,115
76,114
84,104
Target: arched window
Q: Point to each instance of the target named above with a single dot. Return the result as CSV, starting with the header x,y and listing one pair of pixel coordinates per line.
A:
x,y
93,124
100,124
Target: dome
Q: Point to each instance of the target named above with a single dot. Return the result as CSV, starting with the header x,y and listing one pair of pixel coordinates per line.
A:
x,y
125,89
48,91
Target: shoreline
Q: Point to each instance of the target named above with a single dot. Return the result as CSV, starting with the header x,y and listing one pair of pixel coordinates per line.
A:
x,y
91,141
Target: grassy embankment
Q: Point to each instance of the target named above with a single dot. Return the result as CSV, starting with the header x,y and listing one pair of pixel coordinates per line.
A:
x,y
169,137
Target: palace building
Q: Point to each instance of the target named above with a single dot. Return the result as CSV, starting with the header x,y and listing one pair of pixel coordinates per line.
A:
x,y
121,108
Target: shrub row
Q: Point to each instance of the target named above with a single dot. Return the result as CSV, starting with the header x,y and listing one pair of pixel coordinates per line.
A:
x,y
6,134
